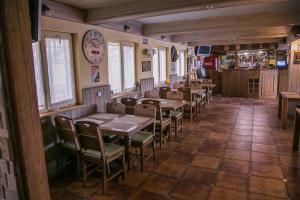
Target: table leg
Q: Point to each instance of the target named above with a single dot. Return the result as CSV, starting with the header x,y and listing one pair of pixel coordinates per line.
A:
x,y
296,133
279,106
127,150
284,112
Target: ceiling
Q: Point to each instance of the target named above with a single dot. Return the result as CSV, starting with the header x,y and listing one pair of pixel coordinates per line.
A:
x,y
193,22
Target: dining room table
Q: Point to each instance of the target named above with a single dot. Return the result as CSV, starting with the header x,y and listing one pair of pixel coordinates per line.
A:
x,y
121,125
283,106
168,104
296,130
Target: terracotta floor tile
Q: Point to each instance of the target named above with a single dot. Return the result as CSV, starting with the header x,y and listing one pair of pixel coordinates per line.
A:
x,y
232,180
240,138
266,170
243,126
236,166
244,146
188,190
290,161
219,136
265,158
146,196
263,140
293,190
219,152
254,196
135,178
159,184
188,148
291,174
200,175
215,143
264,148
114,191
181,158
261,128
272,187
226,194
171,169
206,161
241,132
262,133
237,154
194,140
93,186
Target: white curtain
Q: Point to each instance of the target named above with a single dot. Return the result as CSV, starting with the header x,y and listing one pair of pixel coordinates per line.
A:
x,y
114,67
39,79
178,65
128,66
182,61
155,66
163,65
60,68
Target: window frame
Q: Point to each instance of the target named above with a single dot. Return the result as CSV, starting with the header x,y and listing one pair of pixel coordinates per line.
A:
x,y
43,52
160,81
122,44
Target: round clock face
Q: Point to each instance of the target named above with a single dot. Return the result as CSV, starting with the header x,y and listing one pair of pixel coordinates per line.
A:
x,y
93,46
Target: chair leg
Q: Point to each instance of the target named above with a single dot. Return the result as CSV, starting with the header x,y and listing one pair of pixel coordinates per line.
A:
x,y
104,178
181,129
176,128
124,166
161,137
84,176
78,165
154,153
142,158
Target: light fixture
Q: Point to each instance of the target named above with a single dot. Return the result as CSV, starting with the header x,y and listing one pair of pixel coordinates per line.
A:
x,y
163,37
126,28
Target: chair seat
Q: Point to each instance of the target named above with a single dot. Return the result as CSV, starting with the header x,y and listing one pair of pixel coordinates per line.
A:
x,y
69,145
164,121
109,137
110,150
141,138
176,114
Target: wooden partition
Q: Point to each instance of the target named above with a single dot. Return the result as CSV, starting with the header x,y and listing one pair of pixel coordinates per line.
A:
x,y
147,84
283,80
268,83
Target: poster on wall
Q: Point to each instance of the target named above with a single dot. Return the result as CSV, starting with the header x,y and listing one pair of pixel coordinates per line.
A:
x,y
95,73
173,67
297,57
146,66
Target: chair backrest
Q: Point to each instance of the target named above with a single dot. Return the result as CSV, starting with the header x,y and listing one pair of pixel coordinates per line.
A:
x,y
187,93
153,94
146,110
196,84
175,95
178,85
90,136
129,103
207,81
115,108
157,105
66,130
163,92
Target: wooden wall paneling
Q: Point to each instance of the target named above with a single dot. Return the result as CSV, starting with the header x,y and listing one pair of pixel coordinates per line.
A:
x,y
294,74
21,99
283,80
268,83
147,84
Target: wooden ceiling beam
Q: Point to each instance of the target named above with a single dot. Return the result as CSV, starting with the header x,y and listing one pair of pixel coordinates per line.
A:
x,y
148,8
260,20
238,41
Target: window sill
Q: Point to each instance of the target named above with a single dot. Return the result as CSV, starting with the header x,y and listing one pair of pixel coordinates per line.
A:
x,y
60,110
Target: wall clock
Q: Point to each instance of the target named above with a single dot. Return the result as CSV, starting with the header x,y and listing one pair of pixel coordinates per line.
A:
x,y
93,46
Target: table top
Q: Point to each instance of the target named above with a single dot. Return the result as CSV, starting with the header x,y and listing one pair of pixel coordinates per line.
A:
x,y
123,125
290,95
298,111
168,104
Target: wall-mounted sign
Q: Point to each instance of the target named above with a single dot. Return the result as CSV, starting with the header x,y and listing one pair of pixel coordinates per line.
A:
x,y
297,57
146,66
93,46
95,73
145,40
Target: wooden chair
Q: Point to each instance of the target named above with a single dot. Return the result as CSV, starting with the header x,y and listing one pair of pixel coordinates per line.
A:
x,y
162,123
199,99
178,85
153,94
176,116
68,140
129,103
114,108
145,137
98,155
163,92
208,91
190,108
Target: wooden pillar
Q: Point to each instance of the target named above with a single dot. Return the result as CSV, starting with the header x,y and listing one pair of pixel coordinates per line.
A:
x,y
19,83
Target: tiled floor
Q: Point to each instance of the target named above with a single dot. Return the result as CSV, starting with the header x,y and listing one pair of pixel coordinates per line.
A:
x,y
233,150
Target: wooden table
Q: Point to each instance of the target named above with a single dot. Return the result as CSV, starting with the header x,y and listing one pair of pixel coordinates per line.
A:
x,y
122,125
168,104
296,130
283,105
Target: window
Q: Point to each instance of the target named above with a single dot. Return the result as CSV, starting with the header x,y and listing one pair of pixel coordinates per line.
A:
x,y
182,61
55,80
121,66
155,66
162,65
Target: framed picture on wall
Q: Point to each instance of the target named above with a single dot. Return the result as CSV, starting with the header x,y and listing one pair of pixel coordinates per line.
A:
x,y
146,66
297,57
95,73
